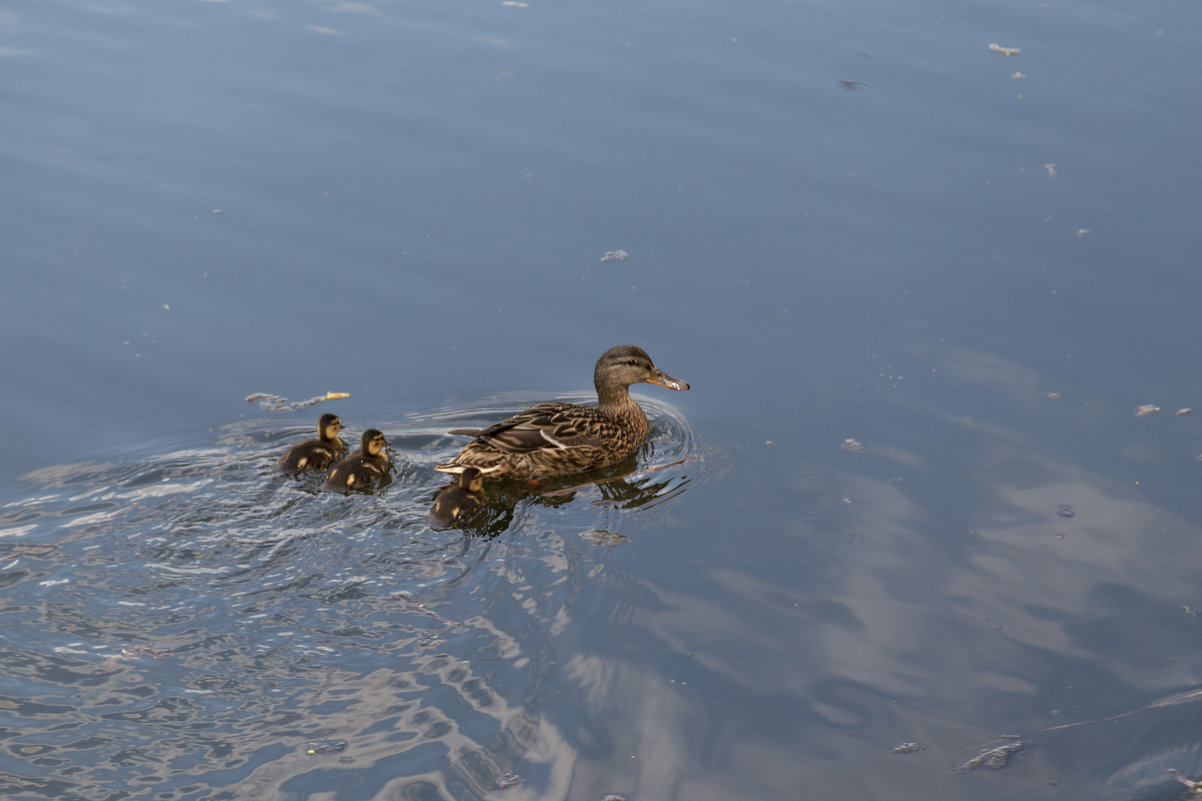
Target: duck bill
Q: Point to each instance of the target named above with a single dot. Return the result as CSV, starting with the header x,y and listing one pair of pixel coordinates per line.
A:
x,y
662,379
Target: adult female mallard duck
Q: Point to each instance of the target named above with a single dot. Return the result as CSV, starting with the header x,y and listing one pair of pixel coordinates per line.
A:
x,y
363,469
461,500
315,454
558,438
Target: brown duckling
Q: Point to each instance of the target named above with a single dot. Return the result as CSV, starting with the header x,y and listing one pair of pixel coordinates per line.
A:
x,y
363,469
317,453
461,500
559,438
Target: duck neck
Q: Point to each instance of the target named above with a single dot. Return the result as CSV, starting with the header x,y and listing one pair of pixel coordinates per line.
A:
x,y
617,403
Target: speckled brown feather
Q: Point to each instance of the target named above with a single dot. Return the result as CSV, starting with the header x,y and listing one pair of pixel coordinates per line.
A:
x,y
558,438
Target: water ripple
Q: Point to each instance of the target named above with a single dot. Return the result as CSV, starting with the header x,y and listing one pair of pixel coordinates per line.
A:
x,y
231,615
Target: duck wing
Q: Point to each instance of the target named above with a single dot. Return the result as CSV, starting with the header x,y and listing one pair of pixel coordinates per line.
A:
x,y
544,426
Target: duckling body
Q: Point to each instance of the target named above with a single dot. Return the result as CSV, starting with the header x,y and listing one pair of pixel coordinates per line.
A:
x,y
317,453
558,438
361,470
462,500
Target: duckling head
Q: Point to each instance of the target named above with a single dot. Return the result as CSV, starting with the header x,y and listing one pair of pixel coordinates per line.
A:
x,y
471,479
328,426
373,442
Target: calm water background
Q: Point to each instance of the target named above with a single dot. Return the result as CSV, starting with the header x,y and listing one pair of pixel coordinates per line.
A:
x,y
842,223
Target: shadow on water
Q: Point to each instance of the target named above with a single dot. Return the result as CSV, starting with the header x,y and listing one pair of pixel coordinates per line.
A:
x,y
195,624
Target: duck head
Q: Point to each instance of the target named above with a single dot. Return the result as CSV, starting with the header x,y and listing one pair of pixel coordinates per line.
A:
x,y
623,365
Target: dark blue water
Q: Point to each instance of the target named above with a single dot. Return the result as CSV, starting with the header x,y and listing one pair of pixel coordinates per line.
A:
x,y
844,221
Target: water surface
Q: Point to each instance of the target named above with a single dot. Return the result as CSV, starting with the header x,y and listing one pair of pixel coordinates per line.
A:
x,y
844,221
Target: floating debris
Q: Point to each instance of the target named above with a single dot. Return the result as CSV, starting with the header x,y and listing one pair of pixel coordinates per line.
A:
x,y
615,255
1064,510
851,444
515,4
907,748
1051,168
324,747
1183,412
1018,76
1083,232
1005,51
407,598
1053,396
275,403
993,758
607,539
853,86
142,650
1193,786
507,780
1146,409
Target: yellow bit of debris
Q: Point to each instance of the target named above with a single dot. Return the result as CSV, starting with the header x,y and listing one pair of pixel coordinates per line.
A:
x,y
1195,787
1146,409
275,403
1018,76
1183,412
1005,51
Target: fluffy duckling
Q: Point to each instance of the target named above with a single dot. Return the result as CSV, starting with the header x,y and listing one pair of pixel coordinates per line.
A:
x,y
557,438
317,453
363,469
462,500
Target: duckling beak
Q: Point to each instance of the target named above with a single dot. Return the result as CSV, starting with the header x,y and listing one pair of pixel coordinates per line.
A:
x,y
660,378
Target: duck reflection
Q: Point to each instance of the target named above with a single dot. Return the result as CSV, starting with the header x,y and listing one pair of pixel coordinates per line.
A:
x,y
487,510
628,488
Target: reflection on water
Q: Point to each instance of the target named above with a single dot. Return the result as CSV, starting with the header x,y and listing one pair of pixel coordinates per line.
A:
x,y
659,472
198,624
976,275
197,620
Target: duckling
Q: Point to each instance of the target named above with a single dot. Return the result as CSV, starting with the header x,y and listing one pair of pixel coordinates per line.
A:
x,y
462,500
363,469
557,438
315,454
